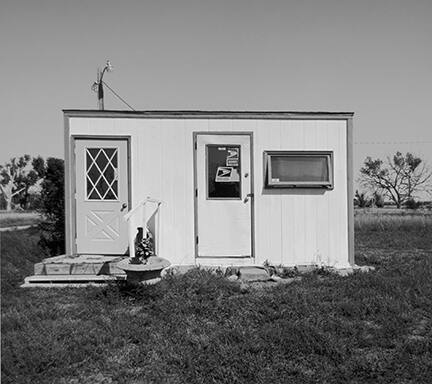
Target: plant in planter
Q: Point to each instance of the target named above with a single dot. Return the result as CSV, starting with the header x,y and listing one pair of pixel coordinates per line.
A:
x,y
144,247
145,266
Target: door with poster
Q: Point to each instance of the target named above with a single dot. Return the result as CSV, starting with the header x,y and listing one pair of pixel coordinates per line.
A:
x,y
223,195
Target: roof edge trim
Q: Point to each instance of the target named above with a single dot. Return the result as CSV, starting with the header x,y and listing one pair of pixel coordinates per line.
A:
x,y
193,114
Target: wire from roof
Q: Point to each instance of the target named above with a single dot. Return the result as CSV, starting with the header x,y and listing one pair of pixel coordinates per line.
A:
x,y
118,96
390,142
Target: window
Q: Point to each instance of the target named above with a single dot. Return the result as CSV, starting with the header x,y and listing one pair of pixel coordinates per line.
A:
x,y
223,171
101,173
301,169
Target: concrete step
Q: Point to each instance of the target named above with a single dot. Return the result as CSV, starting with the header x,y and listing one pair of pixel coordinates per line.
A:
x,y
79,265
69,280
253,273
223,261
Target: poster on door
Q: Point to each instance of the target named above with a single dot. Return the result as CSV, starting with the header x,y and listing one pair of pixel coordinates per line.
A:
x,y
227,175
232,159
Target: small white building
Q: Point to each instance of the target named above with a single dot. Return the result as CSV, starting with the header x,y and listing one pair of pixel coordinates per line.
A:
x,y
236,188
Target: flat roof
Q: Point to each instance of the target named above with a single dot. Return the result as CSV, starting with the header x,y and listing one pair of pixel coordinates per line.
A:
x,y
195,114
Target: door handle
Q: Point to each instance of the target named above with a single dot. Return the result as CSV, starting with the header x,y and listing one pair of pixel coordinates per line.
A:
x,y
249,195
123,207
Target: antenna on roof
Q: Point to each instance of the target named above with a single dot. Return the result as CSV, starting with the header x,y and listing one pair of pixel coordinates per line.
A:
x,y
98,85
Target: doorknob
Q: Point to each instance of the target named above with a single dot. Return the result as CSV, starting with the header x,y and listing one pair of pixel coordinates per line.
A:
x,y
246,199
123,207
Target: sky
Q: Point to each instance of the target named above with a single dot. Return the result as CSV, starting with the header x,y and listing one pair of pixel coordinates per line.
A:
x,y
371,57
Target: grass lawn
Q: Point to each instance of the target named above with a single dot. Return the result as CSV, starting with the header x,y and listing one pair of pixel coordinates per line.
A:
x,y
201,328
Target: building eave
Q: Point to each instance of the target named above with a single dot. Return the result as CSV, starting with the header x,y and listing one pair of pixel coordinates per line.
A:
x,y
195,114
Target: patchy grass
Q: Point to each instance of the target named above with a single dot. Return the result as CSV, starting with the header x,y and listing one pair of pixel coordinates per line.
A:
x,y
12,219
393,229
200,328
19,252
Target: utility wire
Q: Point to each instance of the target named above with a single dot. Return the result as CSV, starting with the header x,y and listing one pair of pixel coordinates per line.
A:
x,y
118,96
357,142
391,142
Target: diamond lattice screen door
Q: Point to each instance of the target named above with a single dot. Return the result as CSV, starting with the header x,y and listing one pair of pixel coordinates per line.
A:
x,y
101,196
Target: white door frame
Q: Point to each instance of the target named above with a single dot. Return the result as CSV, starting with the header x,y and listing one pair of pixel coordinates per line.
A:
x,y
224,133
73,175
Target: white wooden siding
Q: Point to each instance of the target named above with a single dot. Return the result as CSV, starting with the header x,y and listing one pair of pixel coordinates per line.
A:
x,y
294,226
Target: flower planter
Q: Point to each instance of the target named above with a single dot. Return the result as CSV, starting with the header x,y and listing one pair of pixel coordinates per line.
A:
x,y
149,272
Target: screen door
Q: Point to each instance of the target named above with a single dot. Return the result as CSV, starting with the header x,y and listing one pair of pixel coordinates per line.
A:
x,y
224,195
101,196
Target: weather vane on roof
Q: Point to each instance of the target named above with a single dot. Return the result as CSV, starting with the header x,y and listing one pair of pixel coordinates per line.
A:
x,y
98,85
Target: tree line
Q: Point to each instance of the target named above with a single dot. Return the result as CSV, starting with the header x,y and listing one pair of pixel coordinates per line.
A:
x,y
401,180
18,176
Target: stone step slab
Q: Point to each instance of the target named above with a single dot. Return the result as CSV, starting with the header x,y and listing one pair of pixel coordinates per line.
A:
x,y
68,280
253,273
79,265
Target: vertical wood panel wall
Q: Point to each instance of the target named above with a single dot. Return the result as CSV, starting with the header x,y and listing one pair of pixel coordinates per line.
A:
x,y
297,226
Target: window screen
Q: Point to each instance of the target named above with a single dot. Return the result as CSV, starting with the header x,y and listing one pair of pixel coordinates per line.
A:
x,y
299,169
101,173
223,172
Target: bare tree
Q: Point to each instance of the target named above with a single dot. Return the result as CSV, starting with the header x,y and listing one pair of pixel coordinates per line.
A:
x,y
16,178
401,178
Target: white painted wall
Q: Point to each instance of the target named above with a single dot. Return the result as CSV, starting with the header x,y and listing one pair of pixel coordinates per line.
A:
x,y
299,226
